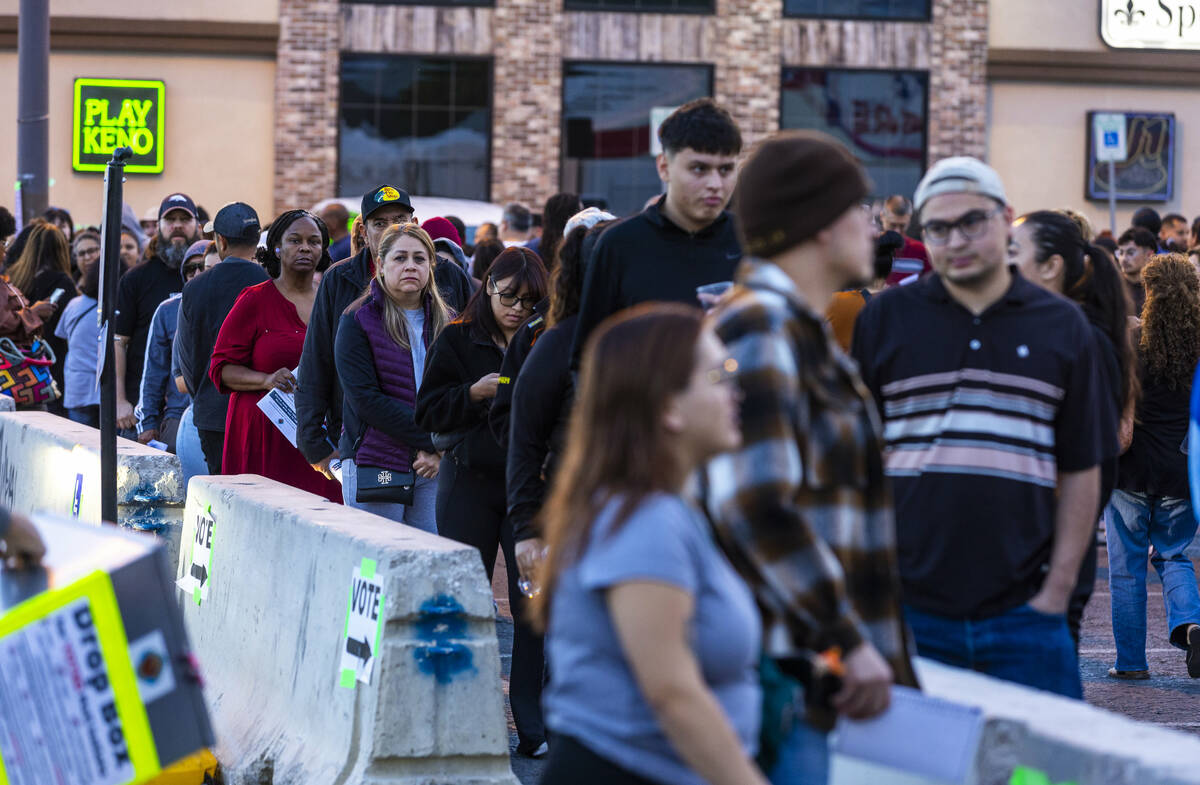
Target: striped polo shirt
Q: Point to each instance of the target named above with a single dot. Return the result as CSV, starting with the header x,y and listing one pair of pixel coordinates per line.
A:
x,y
980,415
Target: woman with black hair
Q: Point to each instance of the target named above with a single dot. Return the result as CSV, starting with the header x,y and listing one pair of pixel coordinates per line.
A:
x,y
1048,248
260,343
461,379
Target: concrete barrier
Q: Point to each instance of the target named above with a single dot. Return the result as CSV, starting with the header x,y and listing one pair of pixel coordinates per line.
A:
x,y
271,634
50,463
7,404
1066,740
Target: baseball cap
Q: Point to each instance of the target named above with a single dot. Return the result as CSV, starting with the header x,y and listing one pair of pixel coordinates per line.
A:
x,y
958,175
177,202
237,221
383,196
588,217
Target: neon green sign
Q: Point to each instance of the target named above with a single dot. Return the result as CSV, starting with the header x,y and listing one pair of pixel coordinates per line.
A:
x,y
112,113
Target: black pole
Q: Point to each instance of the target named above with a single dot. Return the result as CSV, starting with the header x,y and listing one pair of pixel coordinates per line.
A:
x,y
33,107
110,258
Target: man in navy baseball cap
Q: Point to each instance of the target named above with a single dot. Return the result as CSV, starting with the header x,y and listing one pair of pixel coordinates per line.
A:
x,y
237,222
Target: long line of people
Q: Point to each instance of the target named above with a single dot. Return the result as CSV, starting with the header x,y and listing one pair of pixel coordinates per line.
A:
x,y
710,519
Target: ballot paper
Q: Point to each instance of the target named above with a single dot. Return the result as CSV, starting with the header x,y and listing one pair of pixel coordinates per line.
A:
x,y
280,409
918,734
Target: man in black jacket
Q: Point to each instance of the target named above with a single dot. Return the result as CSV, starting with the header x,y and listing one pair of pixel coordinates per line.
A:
x,y
207,300
319,395
684,240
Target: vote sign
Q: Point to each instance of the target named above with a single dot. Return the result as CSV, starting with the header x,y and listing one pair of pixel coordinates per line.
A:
x,y
112,113
198,568
364,625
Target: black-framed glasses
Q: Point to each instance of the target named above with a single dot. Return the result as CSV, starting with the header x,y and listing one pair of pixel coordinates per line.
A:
x,y
509,300
973,225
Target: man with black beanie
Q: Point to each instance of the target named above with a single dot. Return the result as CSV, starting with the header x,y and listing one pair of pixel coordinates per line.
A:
x,y
802,508
319,394
207,300
686,238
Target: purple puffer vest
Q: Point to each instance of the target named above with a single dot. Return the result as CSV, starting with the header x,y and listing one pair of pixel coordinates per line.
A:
x,y
394,367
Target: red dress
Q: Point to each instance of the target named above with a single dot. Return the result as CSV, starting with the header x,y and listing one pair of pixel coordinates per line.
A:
x,y
265,333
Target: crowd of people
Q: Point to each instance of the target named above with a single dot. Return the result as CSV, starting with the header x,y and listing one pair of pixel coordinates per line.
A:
x,y
746,452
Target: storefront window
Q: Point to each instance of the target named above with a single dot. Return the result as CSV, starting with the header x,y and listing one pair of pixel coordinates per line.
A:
x,y
858,9
610,116
879,115
422,2
659,6
422,123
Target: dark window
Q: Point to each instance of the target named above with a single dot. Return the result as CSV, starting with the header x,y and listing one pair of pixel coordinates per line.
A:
x,y
858,9
423,123
423,2
607,126
879,115
660,6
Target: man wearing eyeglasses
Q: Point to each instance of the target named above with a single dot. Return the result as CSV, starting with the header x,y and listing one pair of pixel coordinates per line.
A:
x,y
986,384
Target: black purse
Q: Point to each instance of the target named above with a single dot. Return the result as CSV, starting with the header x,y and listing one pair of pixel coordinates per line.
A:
x,y
384,485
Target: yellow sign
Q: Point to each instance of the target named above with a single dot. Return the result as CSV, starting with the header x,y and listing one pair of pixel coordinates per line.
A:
x,y
112,113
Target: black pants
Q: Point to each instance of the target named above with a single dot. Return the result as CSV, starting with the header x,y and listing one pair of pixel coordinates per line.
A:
x,y
472,509
571,763
213,445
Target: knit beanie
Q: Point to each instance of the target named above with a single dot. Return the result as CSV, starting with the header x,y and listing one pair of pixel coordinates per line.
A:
x,y
794,185
439,227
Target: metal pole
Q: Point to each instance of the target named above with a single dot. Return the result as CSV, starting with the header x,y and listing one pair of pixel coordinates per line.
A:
x,y
110,258
33,106
1112,197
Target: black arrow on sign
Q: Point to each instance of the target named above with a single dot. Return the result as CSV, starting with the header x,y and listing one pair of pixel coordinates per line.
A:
x,y
200,573
360,649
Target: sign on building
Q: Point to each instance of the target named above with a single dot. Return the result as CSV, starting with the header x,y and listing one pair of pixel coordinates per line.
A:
x,y
112,113
1150,24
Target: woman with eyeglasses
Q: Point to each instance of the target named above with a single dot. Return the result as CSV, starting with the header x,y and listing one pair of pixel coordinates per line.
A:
x,y
461,379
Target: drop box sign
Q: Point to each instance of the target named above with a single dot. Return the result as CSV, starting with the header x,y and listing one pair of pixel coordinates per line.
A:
x,y
112,113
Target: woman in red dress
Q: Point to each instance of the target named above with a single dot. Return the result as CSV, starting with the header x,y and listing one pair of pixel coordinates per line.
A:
x,y
259,345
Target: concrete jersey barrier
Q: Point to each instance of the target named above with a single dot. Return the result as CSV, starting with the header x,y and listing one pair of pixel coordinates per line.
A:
x,y
50,463
1067,740
273,633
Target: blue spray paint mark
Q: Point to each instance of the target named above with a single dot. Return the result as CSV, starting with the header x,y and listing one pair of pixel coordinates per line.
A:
x,y
442,620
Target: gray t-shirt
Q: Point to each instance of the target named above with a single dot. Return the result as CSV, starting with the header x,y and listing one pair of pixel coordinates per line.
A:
x,y
593,695
78,326
416,340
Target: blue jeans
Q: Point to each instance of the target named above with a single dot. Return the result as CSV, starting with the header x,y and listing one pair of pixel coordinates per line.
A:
x,y
1023,645
187,447
420,515
803,758
1137,522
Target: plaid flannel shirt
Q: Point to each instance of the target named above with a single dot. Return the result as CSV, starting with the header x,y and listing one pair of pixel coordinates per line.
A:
x,y
802,509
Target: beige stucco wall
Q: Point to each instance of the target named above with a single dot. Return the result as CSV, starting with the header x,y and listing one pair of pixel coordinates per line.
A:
x,y
209,10
1044,24
1038,134
219,144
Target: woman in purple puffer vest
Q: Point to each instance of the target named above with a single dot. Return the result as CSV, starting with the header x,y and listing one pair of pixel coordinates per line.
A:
x,y
380,352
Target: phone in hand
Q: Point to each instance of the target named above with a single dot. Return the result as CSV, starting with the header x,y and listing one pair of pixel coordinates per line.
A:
x,y
56,296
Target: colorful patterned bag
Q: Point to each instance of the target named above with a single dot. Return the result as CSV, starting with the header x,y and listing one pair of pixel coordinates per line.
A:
x,y
25,373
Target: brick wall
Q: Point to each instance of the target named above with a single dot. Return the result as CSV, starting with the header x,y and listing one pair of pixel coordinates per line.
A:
x,y
748,66
958,79
747,40
527,103
306,103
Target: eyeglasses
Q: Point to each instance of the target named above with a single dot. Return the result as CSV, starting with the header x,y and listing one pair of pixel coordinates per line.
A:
x,y
973,225
726,373
509,300
84,253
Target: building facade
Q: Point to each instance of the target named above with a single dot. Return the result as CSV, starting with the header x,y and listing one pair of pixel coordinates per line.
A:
x,y
283,103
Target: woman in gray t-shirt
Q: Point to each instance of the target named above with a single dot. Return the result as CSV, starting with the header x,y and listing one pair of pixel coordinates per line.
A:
x,y
653,637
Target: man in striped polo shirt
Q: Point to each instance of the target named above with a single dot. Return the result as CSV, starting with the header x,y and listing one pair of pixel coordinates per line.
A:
x,y
986,385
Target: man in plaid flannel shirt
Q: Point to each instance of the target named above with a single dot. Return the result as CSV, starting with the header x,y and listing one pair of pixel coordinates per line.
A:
x,y
802,509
